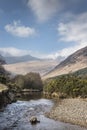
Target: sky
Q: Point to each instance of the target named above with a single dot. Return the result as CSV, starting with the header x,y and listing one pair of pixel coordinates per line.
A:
x,y
42,28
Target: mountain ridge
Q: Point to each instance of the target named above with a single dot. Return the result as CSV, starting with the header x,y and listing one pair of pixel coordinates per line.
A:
x,y
18,59
72,63
74,57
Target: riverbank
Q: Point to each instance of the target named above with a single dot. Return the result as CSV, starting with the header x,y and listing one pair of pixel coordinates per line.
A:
x,y
71,111
6,96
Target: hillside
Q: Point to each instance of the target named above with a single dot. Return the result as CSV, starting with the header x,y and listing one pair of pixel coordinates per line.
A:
x,y
41,67
74,62
17,59
81,72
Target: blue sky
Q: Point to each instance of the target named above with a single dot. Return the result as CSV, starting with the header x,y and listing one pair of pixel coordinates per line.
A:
x,y
42,28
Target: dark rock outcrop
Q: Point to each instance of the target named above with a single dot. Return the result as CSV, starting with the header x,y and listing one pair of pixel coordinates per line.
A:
x,y
6,97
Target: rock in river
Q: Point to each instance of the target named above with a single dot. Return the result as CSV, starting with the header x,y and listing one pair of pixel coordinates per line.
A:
x,y
34,120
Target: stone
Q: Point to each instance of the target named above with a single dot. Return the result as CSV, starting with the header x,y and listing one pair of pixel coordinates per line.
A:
x,y
34,120
31,108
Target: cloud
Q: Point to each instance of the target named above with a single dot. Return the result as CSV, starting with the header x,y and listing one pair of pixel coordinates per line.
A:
x,y
74,31
16,29
66,51
61,54
11,51
45,9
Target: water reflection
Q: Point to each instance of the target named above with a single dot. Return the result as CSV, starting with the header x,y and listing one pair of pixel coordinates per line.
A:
x,y
30,95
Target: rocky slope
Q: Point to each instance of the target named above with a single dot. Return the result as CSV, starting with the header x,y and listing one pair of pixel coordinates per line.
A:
x,y
74,62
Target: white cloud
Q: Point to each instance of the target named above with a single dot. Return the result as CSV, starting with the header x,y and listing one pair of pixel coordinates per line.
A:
x,y
44,9
11,51
19,30
67,51
74,31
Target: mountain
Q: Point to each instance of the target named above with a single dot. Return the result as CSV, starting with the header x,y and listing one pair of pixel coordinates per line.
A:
x,y
38,66
2,60
17,59
74,62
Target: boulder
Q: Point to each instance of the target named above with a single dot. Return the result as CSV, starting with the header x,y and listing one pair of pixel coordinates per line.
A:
x,y
34,120
54,94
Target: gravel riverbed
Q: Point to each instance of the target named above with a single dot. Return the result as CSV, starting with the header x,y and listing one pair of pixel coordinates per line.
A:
x,y
70,110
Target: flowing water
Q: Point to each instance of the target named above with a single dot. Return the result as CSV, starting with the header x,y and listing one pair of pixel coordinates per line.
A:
x,y
16,116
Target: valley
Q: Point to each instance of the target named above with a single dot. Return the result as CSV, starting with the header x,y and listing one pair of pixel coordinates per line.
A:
x,y
41,67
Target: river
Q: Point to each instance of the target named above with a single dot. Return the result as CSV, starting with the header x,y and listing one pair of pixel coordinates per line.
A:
x,y
16,116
